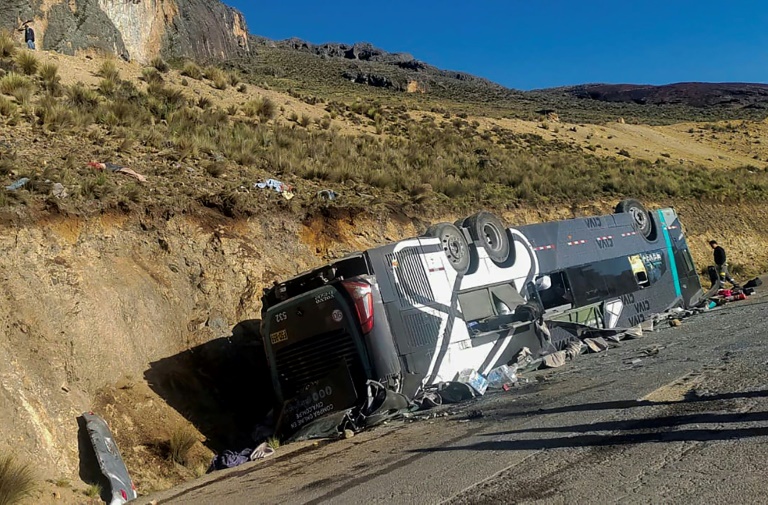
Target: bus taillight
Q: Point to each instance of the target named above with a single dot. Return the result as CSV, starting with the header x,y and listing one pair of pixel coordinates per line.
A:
x,y
363,298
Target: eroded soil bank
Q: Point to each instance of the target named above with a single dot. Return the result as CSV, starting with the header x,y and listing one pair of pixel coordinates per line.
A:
x,y
123,314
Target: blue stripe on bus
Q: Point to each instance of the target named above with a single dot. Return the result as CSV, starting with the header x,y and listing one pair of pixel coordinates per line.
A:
x,y
670,253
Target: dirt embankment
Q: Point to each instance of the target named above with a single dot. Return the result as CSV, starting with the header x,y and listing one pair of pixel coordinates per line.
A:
x,y
93,308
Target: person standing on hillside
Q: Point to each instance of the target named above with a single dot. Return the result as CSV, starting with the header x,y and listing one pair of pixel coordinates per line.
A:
x,y
29,36
721,262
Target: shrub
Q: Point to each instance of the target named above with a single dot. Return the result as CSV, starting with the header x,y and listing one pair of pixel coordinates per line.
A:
x,y
107,87
26,62
204,103
53,115
93,491
159,64
217,76
80,96
151,75
6,106
262,107
12,82
243,88
16,480
192,70
7,45
181,442
108,70
49,73
273,442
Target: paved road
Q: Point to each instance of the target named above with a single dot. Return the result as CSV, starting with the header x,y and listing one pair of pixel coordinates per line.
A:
x,y
687,423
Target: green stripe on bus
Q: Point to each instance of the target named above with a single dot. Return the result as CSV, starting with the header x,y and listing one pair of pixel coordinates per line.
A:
x,y
670,253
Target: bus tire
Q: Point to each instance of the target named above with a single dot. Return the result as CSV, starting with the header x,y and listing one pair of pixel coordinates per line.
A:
x,y
642,220
453,243
488,229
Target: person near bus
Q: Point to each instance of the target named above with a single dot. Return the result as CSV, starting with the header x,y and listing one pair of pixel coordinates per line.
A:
x,y
721,263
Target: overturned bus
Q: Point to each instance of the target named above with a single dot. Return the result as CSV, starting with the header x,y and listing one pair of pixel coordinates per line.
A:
x,y
416,312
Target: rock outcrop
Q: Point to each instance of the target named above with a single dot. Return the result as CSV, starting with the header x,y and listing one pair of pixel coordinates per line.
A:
x,y
694,94
133,29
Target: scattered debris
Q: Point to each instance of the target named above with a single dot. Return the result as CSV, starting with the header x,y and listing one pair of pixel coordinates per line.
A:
x,y
555,360
475,414
112,167
59,191
261,452
501,376
455,392
18,184
279,186
575,348
474,379
597,344
675,323
327,194
653,351
229,459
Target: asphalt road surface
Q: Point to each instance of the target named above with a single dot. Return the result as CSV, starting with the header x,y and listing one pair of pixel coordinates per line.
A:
x,y
678,416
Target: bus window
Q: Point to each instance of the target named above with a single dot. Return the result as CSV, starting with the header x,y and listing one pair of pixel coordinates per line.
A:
x,y
638,268
556,292
488,308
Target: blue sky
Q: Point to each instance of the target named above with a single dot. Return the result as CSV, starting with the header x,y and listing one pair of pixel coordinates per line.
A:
x,y
543,43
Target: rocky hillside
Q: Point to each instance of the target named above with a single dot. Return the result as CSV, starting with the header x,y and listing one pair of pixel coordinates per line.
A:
x,y
134,29
694,94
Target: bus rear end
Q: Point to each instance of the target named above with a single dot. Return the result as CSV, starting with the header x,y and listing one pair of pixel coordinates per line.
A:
x,y
320,340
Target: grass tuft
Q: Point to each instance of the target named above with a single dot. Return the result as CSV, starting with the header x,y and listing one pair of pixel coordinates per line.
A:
x,y
108,70
16,480
7,45
181,442
218,77
93,491
192,70
260,107
26,62
159,64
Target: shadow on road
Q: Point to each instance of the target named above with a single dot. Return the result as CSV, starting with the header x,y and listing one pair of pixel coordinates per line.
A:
x,y
628,404
646,430
699,435
222,387
646,424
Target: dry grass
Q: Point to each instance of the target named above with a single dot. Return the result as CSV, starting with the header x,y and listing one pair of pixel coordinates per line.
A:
x,y
159,64
218,77
192,70
260,107
6,107
108,70
26,62
17,480
7,44
181,442
93,491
